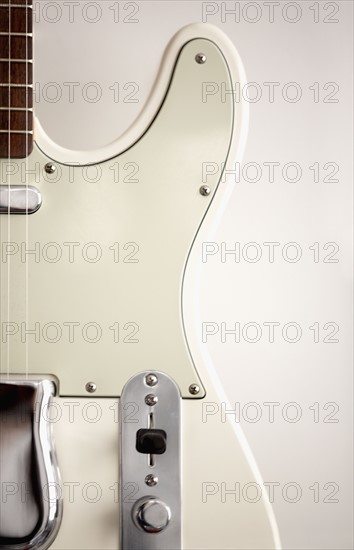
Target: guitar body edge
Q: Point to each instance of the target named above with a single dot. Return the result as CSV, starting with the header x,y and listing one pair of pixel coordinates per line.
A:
x,y
162,210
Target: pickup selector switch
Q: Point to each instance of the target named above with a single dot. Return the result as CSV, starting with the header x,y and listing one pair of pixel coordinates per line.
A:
x,y
151,441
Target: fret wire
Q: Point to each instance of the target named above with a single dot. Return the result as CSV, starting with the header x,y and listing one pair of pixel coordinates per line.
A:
x,y
14,109
16,6
10,60
10,85
20,132
16,34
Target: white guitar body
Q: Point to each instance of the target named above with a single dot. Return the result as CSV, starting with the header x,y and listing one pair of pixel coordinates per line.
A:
x,y
77,306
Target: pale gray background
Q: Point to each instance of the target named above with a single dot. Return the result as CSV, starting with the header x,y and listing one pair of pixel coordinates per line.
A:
x,y
304,212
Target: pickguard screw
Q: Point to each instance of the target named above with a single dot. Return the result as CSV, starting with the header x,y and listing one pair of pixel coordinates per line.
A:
x,y
204,190
151,399
200,58
194,389
151,480
91,387
151,379
50,168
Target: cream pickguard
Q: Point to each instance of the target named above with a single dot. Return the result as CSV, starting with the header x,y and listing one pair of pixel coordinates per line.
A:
x,y
98,285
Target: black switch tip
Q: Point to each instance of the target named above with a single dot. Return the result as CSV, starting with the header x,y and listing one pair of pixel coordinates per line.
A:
x,y
151,441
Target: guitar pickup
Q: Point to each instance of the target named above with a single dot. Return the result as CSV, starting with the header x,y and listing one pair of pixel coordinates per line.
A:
x,y
19,199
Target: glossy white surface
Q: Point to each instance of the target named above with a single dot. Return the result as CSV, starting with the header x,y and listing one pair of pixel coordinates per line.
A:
x,y
306,211
212,452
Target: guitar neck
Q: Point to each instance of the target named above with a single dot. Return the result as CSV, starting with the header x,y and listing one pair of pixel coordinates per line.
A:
x,y
16,78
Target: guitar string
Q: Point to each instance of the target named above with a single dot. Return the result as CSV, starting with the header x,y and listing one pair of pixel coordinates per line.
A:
x,y
27,12
8,194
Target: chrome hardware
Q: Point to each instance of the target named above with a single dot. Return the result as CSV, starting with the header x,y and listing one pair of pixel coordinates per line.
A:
x,y
31,513
19,199
194,389
151,480
50,168
91,387
151,399
204,190
151,514
153,521
151,380
200,58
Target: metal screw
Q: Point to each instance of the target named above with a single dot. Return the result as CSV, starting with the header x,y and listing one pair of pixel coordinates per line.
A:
x,y
194,389
151,399
204,190
200,58
151,480
50,168
91,387
151,379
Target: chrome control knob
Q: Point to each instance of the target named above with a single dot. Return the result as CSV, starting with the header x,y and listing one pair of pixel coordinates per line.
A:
x,y
151,514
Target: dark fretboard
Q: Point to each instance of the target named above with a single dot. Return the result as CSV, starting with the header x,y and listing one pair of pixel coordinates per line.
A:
x,y
16,116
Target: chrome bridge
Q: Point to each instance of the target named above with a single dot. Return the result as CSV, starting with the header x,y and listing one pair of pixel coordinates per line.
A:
x,y
30,511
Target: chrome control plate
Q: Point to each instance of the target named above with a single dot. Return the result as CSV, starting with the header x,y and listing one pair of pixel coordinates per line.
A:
x,y
150,484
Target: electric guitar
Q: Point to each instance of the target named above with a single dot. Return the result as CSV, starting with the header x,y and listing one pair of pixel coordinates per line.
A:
x,y
114,430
